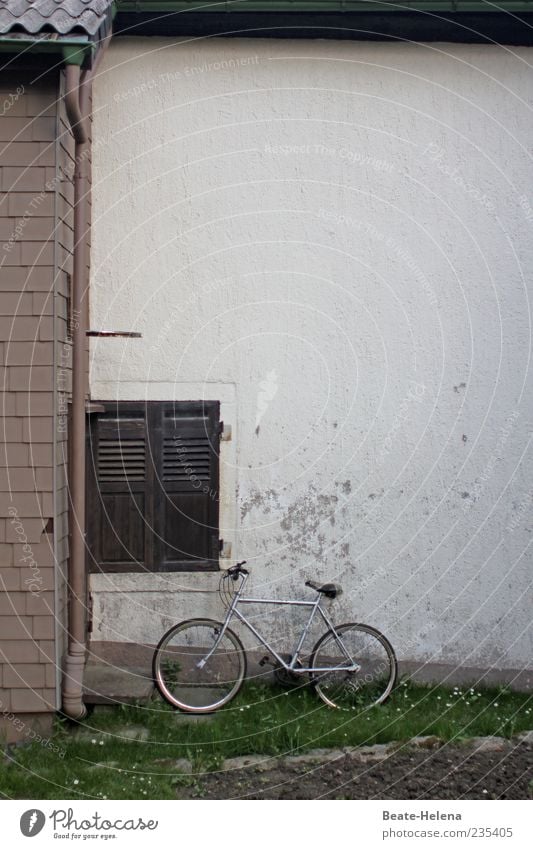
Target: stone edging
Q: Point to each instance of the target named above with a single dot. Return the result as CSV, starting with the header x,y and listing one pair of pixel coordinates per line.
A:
x,y
361,754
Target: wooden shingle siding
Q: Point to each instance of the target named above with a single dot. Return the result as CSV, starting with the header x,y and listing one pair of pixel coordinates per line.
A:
x,y
36,243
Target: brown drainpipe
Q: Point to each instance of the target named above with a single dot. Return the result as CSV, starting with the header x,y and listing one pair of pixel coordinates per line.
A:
x,y
77,99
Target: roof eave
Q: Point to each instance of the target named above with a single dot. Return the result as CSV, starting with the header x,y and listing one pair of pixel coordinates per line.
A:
x,y
75,48
461,21
386,7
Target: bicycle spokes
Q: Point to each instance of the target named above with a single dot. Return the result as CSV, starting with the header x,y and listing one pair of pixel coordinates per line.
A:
x,y
196,668
364,678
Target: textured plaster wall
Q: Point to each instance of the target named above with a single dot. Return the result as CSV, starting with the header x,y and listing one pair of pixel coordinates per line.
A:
x,y
335,238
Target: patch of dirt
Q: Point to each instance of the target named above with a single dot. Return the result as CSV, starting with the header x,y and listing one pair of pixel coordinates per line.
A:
x,y
450,772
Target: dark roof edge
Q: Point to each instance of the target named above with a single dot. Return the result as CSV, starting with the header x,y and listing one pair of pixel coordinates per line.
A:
x,y
472,27
305,7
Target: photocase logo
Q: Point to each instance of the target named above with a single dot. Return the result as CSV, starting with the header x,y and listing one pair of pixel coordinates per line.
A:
x,y
32,822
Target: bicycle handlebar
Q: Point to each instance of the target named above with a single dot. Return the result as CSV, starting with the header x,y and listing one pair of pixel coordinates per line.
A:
x,y
237,570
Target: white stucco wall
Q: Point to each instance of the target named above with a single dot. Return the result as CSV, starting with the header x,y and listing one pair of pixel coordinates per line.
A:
x,y
335,239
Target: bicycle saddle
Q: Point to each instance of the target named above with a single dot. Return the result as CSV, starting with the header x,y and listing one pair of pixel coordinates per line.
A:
x,y
329,590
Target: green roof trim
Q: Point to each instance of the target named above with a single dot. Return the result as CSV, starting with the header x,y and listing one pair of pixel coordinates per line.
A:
x,y
76,47
74,55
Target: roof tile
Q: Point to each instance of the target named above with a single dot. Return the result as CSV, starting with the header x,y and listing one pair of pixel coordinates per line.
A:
x,y
61,16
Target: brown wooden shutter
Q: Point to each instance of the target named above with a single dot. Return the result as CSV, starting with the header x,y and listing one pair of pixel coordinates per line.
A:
x,y
118,502
187,486
153,487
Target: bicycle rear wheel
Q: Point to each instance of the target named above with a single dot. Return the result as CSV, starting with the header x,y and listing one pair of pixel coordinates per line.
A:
x,y
190,680
345,646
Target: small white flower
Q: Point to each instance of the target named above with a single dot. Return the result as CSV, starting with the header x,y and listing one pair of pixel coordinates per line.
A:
x,y
76,781
101,742
93,741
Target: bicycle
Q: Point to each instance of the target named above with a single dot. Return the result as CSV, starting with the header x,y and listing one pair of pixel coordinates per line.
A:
x,y
199,665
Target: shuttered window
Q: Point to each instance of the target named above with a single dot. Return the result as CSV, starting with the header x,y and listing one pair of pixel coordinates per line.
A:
x,y
153,486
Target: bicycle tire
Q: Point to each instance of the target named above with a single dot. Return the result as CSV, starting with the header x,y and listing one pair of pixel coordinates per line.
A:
x,y
353,690
191,691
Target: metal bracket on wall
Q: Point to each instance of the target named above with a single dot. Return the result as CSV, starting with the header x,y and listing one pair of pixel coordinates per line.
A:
x,y
90,614
225,549
92,407
225,432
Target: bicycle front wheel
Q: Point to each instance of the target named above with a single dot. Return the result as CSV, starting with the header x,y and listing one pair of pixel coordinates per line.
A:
x,y
197,671
354,667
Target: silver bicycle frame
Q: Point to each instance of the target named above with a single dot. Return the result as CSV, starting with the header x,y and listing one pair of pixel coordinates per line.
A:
x,y
291,666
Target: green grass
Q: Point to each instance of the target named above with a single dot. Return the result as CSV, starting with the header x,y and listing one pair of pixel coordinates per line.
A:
x,y
96,761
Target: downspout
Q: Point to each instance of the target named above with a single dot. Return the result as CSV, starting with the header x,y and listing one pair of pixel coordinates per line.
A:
x,y
77,99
